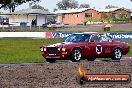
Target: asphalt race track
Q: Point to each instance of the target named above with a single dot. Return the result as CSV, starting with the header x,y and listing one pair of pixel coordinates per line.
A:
x,y
62,74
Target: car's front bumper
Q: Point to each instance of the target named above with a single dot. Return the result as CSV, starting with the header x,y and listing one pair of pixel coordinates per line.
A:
x,y
58,56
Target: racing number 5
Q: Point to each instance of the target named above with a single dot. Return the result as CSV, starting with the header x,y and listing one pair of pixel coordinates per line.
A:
x,y
98,49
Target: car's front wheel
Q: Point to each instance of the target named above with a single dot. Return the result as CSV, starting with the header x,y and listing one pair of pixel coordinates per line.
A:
x,y
50,60
117,54
76,55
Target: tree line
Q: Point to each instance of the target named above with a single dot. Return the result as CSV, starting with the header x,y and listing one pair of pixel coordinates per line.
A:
x,y
62,5
12,4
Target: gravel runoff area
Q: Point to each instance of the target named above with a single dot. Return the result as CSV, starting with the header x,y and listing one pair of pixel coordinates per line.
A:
x,y
61,74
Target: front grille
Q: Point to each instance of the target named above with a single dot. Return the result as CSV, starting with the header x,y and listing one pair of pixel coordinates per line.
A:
x,y
52,50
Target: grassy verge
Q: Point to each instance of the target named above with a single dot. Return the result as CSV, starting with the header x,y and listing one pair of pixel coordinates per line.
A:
x,y
21,50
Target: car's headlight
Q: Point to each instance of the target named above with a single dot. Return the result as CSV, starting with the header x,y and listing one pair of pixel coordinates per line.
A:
x,y
63,49
41,49
59,49
44,49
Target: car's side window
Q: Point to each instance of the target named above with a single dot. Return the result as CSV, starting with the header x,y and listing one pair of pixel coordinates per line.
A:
x,y
105,39
95,38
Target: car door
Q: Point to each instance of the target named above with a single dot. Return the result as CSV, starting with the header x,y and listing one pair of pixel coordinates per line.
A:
x,y
95,46
86,50
107,46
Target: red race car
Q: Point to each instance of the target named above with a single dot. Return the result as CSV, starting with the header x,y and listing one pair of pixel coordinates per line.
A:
x,y
89,45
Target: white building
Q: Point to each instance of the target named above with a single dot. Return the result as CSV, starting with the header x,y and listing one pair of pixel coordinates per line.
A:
x,y
27,15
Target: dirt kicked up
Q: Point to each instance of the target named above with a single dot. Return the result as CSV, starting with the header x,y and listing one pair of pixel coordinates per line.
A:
x,y
61,74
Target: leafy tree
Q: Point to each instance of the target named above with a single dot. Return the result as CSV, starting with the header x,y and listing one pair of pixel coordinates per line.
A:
x,y
11,4
54,9
110,6
39,7
67,4
84,6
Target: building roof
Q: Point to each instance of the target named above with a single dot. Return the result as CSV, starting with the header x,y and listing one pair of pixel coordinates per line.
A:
x,y
107,10
31,11
83,9
71,10
111,9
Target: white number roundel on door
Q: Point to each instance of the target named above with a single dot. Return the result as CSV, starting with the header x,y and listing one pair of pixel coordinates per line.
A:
x,y
98,49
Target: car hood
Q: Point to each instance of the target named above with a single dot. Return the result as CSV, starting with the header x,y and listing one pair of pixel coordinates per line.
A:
x,y
59,44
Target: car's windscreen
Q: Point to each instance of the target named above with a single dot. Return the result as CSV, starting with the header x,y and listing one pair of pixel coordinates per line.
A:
x,y
78,38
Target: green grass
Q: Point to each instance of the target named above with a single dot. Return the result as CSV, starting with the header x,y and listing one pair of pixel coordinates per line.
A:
x,y
20,50
130,52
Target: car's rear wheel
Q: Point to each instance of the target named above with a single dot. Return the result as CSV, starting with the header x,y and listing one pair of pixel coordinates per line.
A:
x,y
91,59
117,54
50,60
76,55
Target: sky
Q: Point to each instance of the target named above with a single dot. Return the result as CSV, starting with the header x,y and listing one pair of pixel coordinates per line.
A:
x,y
51,4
